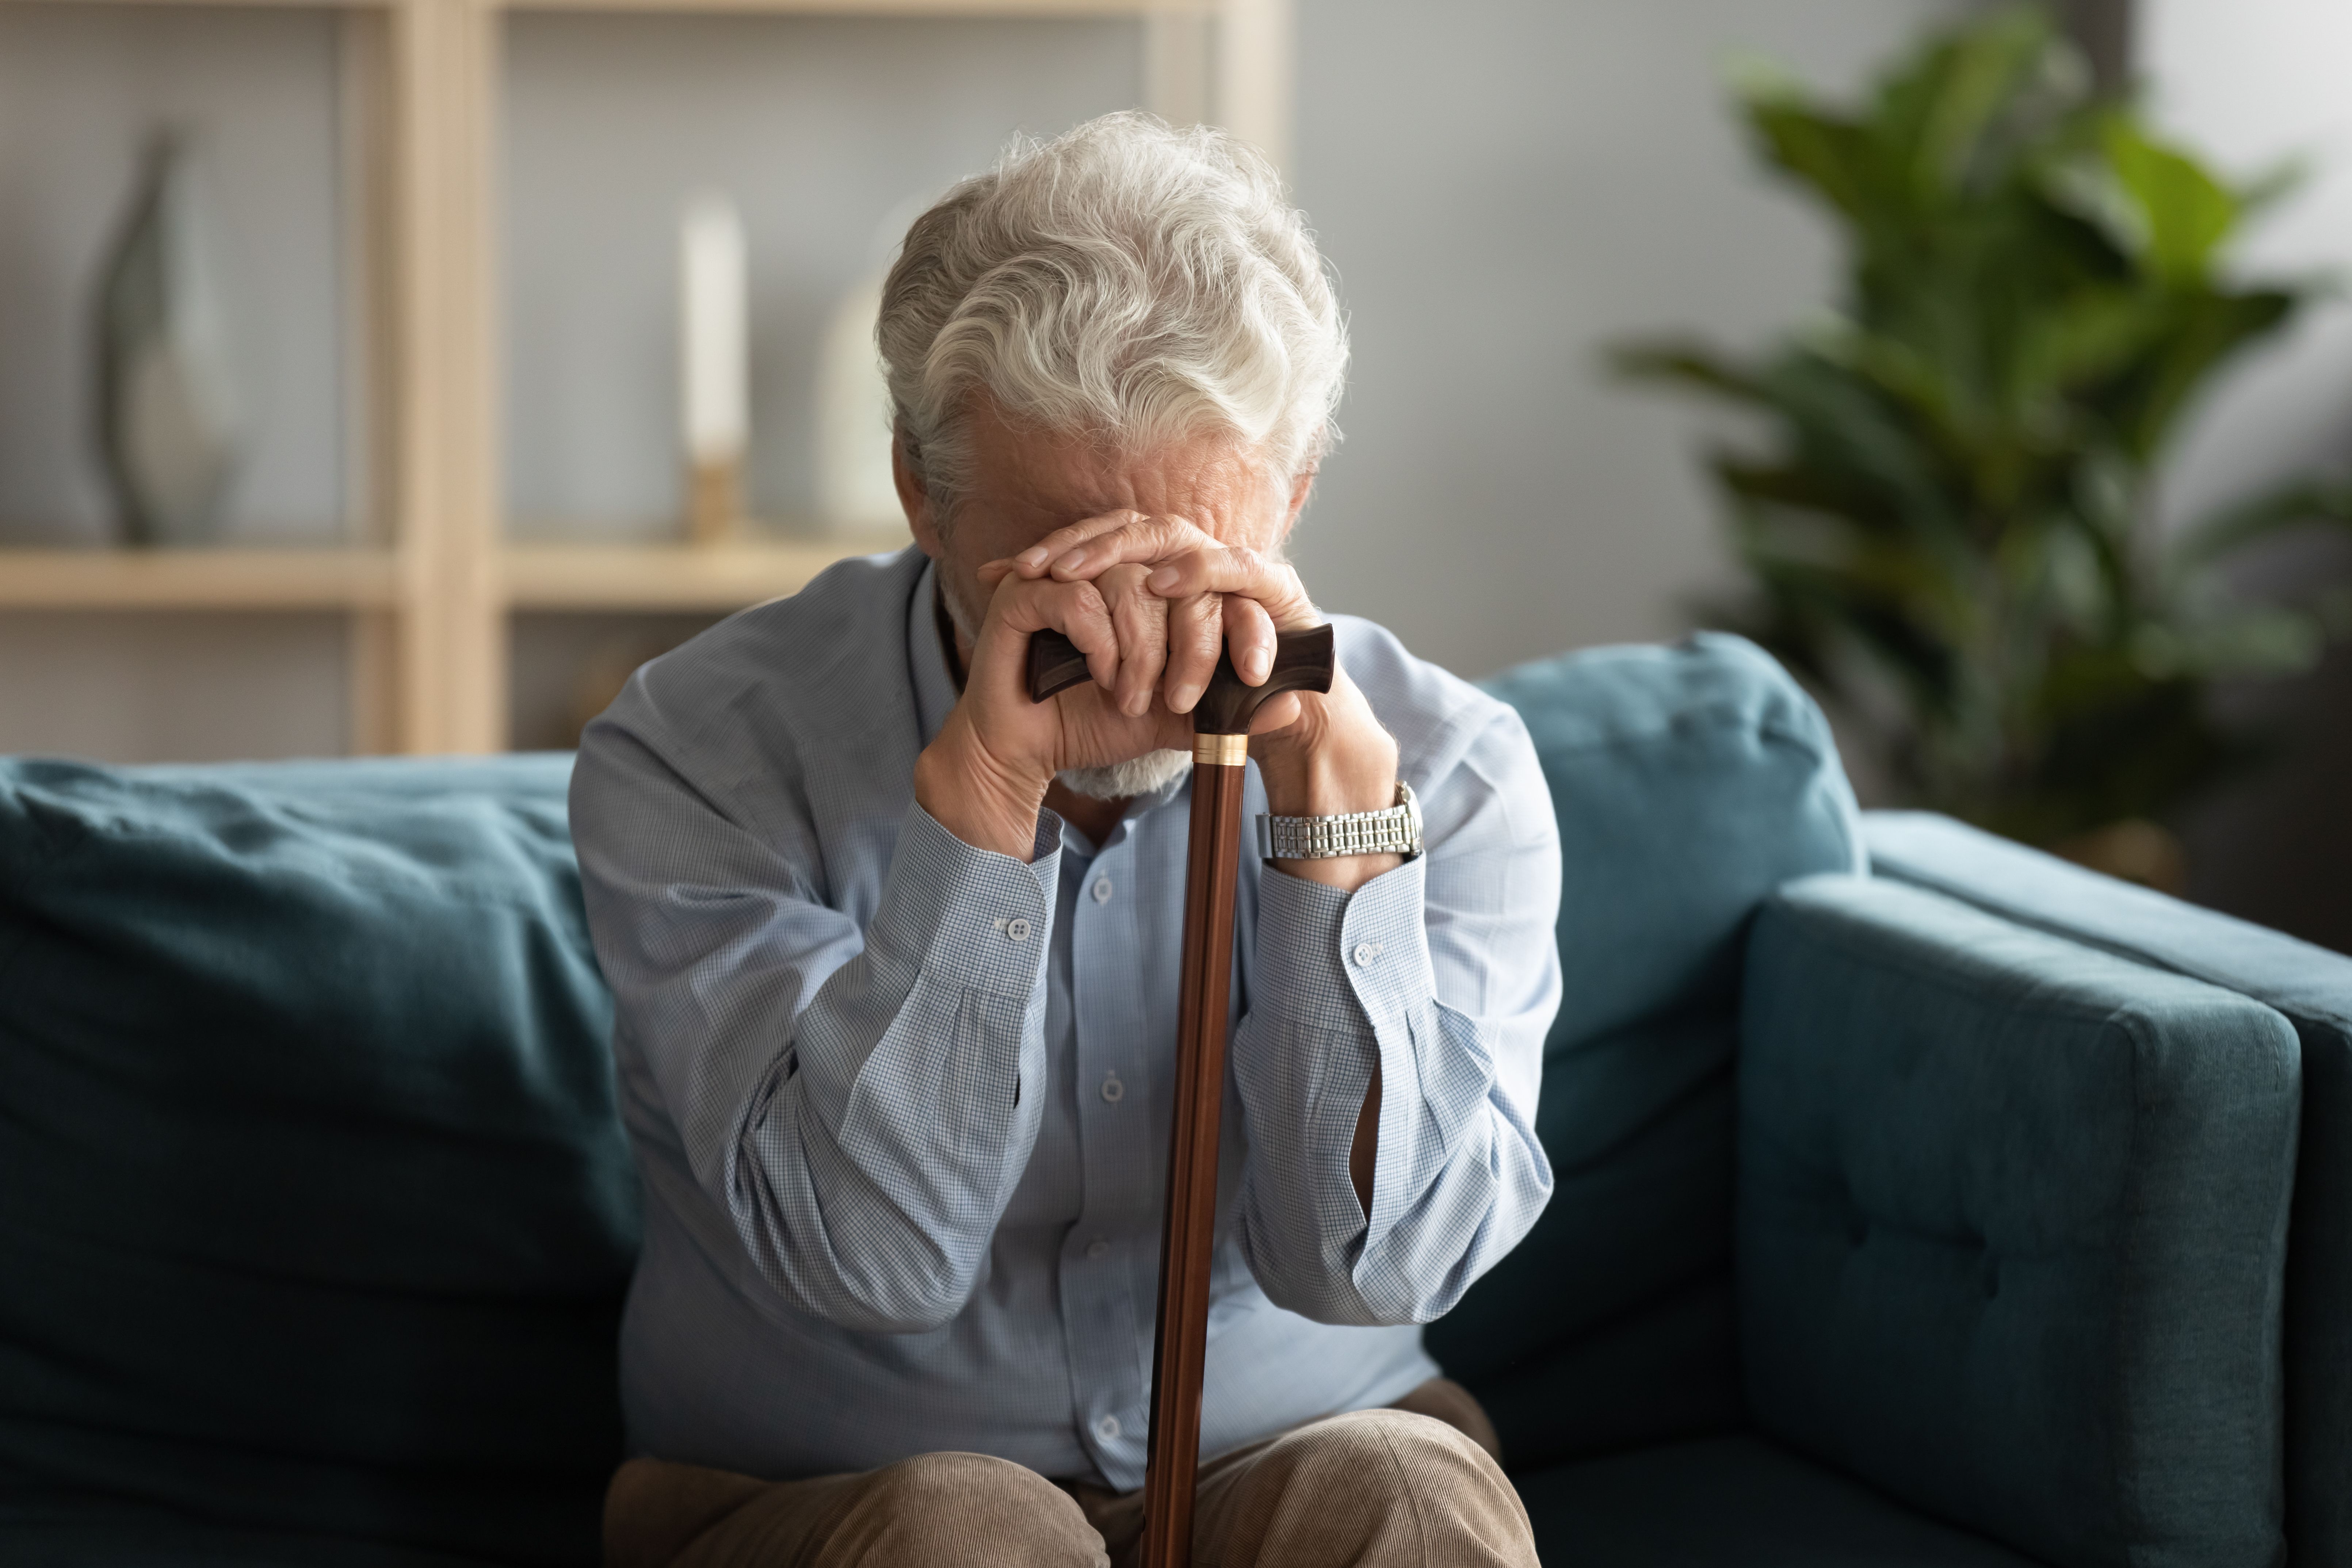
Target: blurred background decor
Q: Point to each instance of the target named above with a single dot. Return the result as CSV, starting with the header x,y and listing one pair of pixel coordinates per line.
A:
x,y
456,304
855,492
1951,525
168,412
714,377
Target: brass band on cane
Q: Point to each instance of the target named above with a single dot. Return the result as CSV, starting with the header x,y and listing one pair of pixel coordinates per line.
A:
x,y
1220,750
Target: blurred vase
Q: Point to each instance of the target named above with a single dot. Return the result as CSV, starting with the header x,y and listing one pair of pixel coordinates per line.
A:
x,y
169,425
854,493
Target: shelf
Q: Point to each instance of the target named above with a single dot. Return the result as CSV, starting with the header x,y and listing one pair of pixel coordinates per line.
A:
x,y
672,577
223,578
531,576
933,8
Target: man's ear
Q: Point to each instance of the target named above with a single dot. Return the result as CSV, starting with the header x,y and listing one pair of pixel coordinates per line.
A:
x,y
914,497
1300,489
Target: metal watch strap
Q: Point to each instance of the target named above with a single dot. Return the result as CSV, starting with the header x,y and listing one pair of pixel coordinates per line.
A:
x,y
1395,831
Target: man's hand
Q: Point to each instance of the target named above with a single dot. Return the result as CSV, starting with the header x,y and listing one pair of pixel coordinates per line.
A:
x,y
1319,755
985,774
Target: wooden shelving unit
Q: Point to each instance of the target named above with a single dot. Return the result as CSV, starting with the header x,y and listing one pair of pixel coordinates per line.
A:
x,y
198,579
635,577
429,599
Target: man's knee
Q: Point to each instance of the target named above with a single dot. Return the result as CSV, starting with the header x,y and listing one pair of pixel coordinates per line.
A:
x,y
968,1509
953,1485
1380,1486
1414,1450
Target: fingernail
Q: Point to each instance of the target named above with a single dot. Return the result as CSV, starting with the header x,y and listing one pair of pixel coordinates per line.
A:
x,y
1164,580
1181,698
1072,562
1033,558
1260,660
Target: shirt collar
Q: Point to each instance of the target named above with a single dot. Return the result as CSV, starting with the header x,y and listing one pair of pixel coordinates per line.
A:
x,y
935,685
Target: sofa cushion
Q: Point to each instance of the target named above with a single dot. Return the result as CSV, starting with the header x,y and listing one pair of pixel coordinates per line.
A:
x,y
1689,782
315,1212
2312,987
109,1533
1733,1502
2012,1225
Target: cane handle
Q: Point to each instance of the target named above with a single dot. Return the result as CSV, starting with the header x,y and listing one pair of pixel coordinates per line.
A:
x,y
1303,662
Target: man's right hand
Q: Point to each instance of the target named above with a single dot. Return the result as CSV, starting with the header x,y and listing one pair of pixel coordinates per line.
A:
x,y
984,777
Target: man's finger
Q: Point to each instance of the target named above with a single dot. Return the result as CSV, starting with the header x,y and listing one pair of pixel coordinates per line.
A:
x,y
1033,562
1249,638
1141,622
1196,630
1278,711
1245,572
1142,540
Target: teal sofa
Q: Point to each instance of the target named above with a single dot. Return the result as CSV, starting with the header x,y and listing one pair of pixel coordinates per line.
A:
x,y
1920,1199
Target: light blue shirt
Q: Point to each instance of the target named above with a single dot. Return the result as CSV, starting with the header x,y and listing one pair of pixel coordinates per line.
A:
x,y
901,1105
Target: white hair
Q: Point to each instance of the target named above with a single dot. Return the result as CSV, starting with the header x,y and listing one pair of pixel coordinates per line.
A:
x,y
1129,282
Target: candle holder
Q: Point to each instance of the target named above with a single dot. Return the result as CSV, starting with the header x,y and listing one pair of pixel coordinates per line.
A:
x,y
713,375
714,500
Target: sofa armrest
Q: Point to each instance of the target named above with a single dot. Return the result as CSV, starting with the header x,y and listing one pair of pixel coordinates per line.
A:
x,y
2011,1226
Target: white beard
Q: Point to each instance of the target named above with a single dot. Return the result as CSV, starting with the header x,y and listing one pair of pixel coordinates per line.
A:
x,y
1144,775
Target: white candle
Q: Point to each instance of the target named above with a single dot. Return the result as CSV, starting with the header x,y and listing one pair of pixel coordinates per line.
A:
x,y
711,318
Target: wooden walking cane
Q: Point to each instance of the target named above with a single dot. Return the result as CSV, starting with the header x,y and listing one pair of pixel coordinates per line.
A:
x,y
1221,721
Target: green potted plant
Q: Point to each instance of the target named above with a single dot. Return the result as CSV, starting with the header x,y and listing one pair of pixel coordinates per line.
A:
x,y
1949,522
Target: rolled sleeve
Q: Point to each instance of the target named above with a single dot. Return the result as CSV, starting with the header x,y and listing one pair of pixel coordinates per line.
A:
x,y
856,1104
888,1157
1441,972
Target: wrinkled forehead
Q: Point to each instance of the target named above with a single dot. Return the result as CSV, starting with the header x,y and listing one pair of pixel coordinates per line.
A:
x,y
1028,476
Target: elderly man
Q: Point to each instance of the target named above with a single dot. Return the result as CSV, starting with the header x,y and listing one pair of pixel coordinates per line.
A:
x,y
896,949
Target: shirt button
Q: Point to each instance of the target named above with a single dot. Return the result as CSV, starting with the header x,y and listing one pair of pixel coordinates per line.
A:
x,y
1107,1428
1113,1090
1102,889
1098,1248
1366,953
1019,931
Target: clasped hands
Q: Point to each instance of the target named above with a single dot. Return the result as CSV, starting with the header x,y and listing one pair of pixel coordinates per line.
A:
x,y
1148,601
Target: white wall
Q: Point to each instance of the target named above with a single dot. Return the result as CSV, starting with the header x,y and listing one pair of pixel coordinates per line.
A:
x,y
2255,84
1507,186
2252,83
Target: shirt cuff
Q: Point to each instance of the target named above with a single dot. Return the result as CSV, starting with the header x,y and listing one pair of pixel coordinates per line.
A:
x,y
970,915
1319,947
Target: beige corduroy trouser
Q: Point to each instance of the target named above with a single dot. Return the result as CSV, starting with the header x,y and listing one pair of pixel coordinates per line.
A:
x,y
1414,1486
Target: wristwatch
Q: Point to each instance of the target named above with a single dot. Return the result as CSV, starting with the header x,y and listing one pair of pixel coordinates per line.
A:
x,y
1395,831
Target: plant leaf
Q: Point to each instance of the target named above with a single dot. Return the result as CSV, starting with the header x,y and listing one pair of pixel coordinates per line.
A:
x,y
2181,211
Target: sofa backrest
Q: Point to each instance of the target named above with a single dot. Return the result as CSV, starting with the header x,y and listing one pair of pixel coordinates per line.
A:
x,y
1689,782
315,1212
